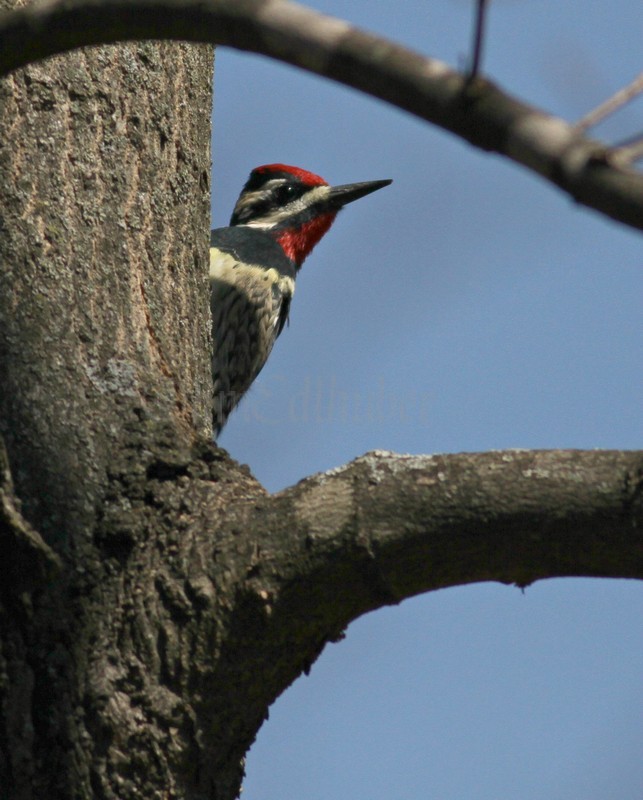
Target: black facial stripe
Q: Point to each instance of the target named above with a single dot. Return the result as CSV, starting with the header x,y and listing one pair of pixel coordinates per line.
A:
x,y
259,208
272,199
304,216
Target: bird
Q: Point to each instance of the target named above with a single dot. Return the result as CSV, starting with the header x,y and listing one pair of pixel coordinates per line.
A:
x,y
281,214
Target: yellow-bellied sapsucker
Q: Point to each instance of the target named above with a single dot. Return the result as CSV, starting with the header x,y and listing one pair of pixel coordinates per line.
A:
x,y
281,214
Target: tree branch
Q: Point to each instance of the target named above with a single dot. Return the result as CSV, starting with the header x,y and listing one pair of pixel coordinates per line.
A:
x,y
629,151
476,111
478,38
387,527
612,104
514,516
292,570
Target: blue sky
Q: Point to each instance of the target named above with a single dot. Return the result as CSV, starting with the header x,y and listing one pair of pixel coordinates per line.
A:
x,y
469,306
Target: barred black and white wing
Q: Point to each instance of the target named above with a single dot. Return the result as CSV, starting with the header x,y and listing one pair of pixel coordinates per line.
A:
x,y
252,284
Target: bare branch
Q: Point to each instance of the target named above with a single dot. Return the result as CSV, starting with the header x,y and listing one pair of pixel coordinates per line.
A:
x,y
417,523
478,112
387,527
628,152
612,104
478,38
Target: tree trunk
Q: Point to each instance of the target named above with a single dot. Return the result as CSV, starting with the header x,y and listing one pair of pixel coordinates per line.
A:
x,y
104,379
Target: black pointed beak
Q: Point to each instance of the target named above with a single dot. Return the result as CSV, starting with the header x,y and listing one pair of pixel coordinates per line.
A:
x,y
341,195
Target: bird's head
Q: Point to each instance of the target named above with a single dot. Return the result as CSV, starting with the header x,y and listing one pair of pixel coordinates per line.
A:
x,y
295,206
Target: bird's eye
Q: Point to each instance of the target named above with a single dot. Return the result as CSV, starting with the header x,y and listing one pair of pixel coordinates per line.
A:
x,y
286,193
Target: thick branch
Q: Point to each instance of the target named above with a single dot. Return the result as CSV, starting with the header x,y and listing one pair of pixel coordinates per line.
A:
x,y
477,111
260,584
386,527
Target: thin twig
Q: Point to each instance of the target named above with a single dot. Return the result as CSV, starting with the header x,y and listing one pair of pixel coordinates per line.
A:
x,y
478,38
612,104
629,152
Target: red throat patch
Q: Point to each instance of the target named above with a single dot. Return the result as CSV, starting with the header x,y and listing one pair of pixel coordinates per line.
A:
x,y
297,243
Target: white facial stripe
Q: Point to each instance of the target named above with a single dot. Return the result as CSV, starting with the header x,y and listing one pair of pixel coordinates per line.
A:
x,y
300,204
250,198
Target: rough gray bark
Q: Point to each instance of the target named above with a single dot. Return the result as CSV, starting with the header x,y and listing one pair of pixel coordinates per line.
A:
x,y
589,171
104,184
154,600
